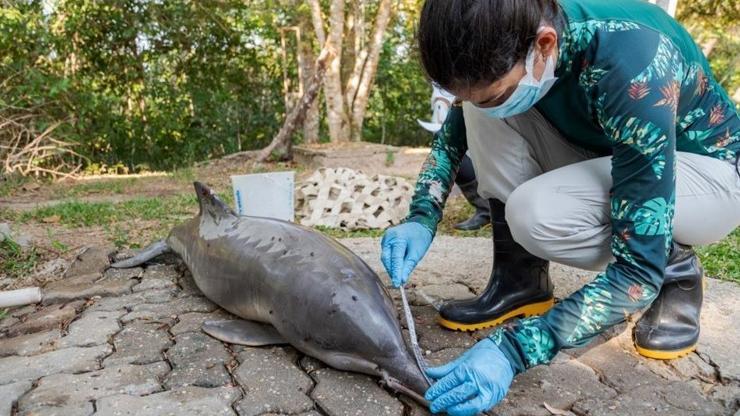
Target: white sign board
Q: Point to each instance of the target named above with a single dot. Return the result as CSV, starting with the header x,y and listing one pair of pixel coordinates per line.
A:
x,y
265,194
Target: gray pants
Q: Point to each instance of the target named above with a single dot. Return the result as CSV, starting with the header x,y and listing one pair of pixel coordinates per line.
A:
x,y
557,195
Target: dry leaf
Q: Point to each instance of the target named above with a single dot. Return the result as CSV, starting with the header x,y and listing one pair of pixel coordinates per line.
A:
x,y
52,219
556,411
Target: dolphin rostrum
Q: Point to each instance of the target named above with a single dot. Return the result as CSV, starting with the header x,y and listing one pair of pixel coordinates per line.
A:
x,y
310,290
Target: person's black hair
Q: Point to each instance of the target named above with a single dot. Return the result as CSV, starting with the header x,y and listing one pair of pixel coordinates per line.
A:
x,y
464,43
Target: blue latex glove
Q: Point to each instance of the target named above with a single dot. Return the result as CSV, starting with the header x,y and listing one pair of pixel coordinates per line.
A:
x,y
402,247
473,383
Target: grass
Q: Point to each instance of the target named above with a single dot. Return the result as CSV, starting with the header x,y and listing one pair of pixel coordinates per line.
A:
x,y
339,233
183,174
722,259
390,157
14,184
15,261
114,186
121,236
75,213
3,314
56,244
118,219
457,210
7,215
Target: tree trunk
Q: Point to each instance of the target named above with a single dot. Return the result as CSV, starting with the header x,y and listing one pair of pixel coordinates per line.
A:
x,y
359,54
347,99
283,143
362,95
318,21
337,115
307,59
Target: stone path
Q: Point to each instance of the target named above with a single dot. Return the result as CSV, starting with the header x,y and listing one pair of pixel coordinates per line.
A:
x,y
128,342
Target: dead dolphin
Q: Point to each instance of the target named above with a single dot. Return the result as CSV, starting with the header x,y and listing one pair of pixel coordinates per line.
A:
x,y
314,293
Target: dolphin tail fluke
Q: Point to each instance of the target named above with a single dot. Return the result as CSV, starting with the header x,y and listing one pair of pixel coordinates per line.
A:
x,y
209,202
154,250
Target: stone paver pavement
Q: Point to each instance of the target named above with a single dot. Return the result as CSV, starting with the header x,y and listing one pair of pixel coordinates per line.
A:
x,y
128,342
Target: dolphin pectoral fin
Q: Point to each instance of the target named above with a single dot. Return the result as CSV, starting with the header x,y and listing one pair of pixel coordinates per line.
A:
x,y
154,250
250,333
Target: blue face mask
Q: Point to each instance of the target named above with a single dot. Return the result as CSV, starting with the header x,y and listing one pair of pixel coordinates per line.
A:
x,y
528,92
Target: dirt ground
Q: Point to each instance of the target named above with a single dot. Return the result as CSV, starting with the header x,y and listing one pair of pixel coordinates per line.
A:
x,y
54,240
370,158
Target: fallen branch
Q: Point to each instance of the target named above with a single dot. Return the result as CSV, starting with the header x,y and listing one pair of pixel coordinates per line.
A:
x,y
26,151
283,143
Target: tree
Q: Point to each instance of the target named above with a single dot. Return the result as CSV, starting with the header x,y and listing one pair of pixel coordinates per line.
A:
x,y
282,144
715,25
351,72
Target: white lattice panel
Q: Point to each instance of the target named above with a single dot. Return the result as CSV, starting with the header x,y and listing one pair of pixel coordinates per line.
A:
x,y
349,199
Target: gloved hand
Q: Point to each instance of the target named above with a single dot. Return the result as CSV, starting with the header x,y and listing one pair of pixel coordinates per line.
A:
x,y
475,382
402,247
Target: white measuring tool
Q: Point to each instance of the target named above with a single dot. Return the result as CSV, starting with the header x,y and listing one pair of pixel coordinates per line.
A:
x,y
412,335
415,341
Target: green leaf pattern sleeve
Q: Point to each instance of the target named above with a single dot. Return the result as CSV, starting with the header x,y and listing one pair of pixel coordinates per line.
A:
x,y
439,170
634,94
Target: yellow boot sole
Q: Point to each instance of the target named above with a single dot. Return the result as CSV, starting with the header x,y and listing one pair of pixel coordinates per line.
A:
x,y
670,355
664,355
526,311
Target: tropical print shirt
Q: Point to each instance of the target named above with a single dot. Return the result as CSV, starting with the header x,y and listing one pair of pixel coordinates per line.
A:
x,y
631,84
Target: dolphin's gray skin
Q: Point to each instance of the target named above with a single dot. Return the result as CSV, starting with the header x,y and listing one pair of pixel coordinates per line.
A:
x,y
319,296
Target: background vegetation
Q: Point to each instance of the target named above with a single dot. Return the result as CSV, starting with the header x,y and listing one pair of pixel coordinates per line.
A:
x,y
135,85
143,84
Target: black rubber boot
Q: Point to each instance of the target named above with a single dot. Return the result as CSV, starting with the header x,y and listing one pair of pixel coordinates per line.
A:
x,y
670,327
468,184
519,284
482,214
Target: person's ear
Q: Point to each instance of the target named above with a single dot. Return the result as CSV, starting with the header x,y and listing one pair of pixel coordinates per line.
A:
x,y
546,42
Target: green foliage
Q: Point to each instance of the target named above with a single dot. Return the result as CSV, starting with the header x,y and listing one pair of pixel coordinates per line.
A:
x,y
716,22
401,93
146,84
16,261
390,157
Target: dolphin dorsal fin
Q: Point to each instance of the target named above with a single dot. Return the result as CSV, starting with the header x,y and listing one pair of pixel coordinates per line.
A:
x,y
210,205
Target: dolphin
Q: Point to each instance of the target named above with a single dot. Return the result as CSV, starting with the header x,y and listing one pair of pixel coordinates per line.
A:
x,y
291,284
